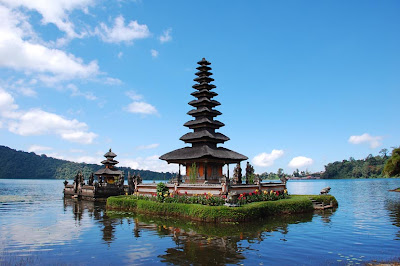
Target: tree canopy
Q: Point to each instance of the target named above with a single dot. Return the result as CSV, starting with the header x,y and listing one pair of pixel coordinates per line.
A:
x,y
392,166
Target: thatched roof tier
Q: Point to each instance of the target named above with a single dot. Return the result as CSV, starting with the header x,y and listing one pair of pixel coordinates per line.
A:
x,y
204,102
204,122
203,73
204,93
203,68
110,162
204,136
203,86
108,171
204,111
203,154
204,62
202,79
110,154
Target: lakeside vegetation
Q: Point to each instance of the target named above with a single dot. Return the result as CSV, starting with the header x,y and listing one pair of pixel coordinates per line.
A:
x,y
28,165
198,212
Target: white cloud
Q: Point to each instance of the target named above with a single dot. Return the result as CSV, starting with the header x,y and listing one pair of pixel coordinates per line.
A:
x,y
121,33
55,12
38,148
76,92
300,161
267,159
148,147
141,108
154,53
120,54
38,122
21,53
166,36
374,142
152,163
134,96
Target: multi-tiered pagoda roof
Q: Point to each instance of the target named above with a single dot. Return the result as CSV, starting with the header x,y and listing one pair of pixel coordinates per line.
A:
x,y
204,139
109,165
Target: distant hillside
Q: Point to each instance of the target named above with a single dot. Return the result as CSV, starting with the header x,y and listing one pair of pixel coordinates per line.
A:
x,y
28,165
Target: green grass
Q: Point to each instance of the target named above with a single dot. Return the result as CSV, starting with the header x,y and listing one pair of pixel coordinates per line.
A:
x,y
248,212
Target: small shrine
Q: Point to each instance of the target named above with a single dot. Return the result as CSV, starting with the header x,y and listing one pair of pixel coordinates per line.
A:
x,y
204,160
110,182
110,173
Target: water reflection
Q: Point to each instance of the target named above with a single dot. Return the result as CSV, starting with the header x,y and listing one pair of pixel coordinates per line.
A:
x,y
205,243
394,214
96,211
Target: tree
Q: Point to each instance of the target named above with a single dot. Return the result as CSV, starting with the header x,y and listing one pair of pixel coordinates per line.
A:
x,y
280,172
392,166
384,152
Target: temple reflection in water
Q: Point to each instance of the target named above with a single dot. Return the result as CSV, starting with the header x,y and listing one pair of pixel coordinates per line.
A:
x,y
195,243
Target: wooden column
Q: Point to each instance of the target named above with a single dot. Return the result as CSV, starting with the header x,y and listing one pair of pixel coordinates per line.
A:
x,y
205,171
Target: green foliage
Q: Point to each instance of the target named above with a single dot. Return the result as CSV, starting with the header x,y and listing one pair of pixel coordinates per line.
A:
x,y
257,196
162,191
392,166
370,167
20,164
194,171
248,212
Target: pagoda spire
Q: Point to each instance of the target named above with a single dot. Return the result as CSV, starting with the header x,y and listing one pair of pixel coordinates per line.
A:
x,y
204,125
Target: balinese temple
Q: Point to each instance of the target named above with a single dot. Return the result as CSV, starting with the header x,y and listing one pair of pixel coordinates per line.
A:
x,y
109,173
204,150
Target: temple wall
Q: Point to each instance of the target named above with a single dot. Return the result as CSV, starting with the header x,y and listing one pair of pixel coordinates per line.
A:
x,y
214,189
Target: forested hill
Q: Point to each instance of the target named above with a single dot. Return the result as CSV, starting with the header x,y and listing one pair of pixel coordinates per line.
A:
x,y
370,167
28,165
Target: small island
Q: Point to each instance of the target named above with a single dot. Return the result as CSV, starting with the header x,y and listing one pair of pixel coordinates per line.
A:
x,y
205,193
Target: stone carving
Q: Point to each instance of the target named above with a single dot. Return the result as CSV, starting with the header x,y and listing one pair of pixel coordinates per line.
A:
x,y
283,179
237,174
91,180
131,184
249,173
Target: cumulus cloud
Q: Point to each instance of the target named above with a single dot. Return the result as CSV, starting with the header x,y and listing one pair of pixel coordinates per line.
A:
x,y
21,53
300,161
54,11
373,141
38,148
166,36
154,53
267,159
139,106
142,108
148,147
121,33
152,163
38,122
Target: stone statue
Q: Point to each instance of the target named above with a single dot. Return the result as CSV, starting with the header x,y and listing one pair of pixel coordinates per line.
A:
x,y
283,179
249,173
237,174
121,181
91,180
325,190
65,183
131,184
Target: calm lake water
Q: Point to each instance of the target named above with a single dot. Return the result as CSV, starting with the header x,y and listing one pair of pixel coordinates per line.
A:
x,y
39,227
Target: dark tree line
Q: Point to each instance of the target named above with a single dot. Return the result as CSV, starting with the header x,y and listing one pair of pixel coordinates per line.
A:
x,y
28,165
370,167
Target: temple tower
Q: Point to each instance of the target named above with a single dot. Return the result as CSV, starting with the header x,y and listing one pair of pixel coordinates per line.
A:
x,y
204,152
109,173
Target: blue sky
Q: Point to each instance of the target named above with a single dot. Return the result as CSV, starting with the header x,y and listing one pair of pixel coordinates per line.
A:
x,y
301,83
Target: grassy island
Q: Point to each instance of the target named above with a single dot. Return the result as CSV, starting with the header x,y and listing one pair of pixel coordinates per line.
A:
x,y
198,212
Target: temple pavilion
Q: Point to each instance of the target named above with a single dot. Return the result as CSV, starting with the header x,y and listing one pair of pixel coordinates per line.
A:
x,y
204,152
109,173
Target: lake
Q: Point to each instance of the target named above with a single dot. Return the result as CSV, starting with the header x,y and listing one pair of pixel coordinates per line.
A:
x,y
38,226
